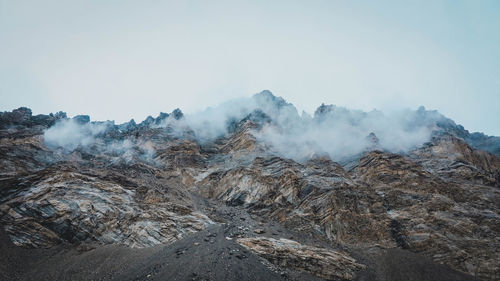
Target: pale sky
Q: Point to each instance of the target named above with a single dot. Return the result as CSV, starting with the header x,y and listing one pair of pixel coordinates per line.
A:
x,y
119,60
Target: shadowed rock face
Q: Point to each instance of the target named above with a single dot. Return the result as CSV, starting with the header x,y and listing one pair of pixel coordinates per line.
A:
x,y
154,183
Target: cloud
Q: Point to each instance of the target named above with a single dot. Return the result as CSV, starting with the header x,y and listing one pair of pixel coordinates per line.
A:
x,y
69,134
334,131
97,138
341,133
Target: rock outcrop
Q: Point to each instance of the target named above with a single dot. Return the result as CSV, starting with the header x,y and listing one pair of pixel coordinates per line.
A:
x,y
328,264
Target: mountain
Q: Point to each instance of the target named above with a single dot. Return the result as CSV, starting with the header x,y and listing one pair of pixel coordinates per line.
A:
x,y
249,190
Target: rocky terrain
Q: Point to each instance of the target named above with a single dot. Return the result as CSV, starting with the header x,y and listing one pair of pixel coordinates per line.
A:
x,y
169,199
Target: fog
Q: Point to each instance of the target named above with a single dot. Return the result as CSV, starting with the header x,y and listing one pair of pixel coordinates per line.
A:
x,y
69,135
341,133
333,131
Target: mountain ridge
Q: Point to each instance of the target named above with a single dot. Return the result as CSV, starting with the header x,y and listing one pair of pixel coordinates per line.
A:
x,y
269,105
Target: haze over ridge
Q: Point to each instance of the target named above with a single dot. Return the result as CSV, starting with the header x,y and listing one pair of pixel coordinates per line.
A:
x,y
129,60
334,131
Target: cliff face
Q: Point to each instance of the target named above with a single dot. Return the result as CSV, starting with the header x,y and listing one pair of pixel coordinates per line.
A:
x,y
158,183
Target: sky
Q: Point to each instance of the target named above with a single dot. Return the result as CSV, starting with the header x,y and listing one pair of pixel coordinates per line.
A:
x,y
117,60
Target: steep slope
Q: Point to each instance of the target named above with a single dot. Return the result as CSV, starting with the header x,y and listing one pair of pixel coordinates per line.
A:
x,y
164,195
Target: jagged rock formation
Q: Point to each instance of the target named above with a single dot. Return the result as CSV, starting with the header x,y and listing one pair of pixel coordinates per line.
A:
x,y
75,183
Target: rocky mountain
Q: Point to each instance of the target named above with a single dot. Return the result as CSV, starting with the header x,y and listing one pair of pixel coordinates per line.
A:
x,y
250,190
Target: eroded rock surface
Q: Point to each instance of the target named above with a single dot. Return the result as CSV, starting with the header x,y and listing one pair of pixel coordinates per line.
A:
x,y
324,263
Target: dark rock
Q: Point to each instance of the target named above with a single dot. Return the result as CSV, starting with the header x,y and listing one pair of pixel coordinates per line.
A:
x,y
82,119
177,114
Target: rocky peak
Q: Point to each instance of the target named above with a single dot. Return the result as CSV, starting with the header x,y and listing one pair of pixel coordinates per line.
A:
x,y
266,97
20,116
441,124
277,108
81,119
373,142
333,112
23,117
127,126
372,138
177,114
256,118
147,122
323,109
59,115
484,142
163,116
